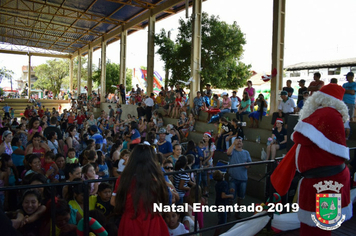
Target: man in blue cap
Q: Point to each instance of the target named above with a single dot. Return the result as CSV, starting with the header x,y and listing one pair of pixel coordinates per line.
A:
x,y
286,106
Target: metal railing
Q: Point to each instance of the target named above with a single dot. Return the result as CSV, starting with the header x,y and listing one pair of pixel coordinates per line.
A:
x,y
271,166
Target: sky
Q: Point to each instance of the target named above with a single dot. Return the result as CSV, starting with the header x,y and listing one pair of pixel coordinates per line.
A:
x,y
314,31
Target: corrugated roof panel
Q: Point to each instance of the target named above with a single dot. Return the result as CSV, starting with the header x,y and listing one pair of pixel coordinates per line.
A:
x,y
85,24
126,13
78,4
103,27
103,7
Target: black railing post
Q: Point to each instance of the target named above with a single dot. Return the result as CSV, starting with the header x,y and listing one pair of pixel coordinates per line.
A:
x,y
86,208
53,211
197,181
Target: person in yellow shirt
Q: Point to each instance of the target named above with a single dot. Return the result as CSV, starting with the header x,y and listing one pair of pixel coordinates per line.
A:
x,y
77,198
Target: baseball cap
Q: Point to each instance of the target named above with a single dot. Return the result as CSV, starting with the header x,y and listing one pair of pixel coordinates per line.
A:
x,y
162,131
223,93
349,74
283,93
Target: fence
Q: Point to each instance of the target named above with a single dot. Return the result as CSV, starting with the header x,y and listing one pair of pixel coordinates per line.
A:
x,y
271,166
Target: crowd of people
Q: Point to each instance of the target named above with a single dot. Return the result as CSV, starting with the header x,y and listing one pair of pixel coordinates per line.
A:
x,y
51,146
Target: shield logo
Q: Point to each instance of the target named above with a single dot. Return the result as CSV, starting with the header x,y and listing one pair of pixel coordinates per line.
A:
x,y
328,208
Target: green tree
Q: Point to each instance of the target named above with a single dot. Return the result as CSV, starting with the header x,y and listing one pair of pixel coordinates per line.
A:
x,y
222,48
84,74
51,75
113,76
7,74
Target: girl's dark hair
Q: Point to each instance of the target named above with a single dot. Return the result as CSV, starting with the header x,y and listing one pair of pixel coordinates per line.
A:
x,y
160,158
4,159
114,147
38,177
103,186
14,141
134,125
180,163
70,129
245,96
100,159
51,134
59,155
190,158
190,146
32,157
50,154
151,137
91,155
37,135
70,168
33,192
143,173
30,124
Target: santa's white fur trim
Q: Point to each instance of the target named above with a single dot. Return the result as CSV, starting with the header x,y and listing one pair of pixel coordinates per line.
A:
x,y
297,155
321,141
320,100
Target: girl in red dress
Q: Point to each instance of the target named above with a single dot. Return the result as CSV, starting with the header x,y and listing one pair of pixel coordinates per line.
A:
x,y
141,184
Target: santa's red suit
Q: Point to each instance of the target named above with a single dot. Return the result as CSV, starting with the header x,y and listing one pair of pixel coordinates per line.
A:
x,y
319,141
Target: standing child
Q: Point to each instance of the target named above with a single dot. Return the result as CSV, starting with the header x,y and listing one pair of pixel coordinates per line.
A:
x,y
103,167
222,195
88,172
174,226
103,199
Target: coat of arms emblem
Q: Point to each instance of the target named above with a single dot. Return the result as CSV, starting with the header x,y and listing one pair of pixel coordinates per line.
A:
x,y
327,214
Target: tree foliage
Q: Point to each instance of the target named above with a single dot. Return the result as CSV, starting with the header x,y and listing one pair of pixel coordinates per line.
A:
x,y
5,73
51,75
222,48
84,74
113,76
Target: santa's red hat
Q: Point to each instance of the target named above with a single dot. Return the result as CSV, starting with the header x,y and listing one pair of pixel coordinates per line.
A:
x,y
333,90
325,128
208,134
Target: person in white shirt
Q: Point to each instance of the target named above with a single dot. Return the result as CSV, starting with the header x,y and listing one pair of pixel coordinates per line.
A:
x,y
149,104
285,108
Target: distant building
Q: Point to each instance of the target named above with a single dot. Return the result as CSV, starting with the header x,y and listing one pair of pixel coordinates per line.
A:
x,y
328,70
24,77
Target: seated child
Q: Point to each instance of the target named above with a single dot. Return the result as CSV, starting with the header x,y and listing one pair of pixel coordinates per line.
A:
x,y
103,199
175,227
50,163
71,156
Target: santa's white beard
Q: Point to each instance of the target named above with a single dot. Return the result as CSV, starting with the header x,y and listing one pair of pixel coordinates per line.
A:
x,y
319,100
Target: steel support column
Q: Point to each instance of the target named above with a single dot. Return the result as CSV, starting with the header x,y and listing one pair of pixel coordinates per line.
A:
x,y
29,76
90,71
79,76
196,49
103,71
71,76
123,46
150,52
279,7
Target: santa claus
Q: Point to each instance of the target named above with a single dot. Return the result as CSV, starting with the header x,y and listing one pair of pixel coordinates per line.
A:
x,y
318,154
